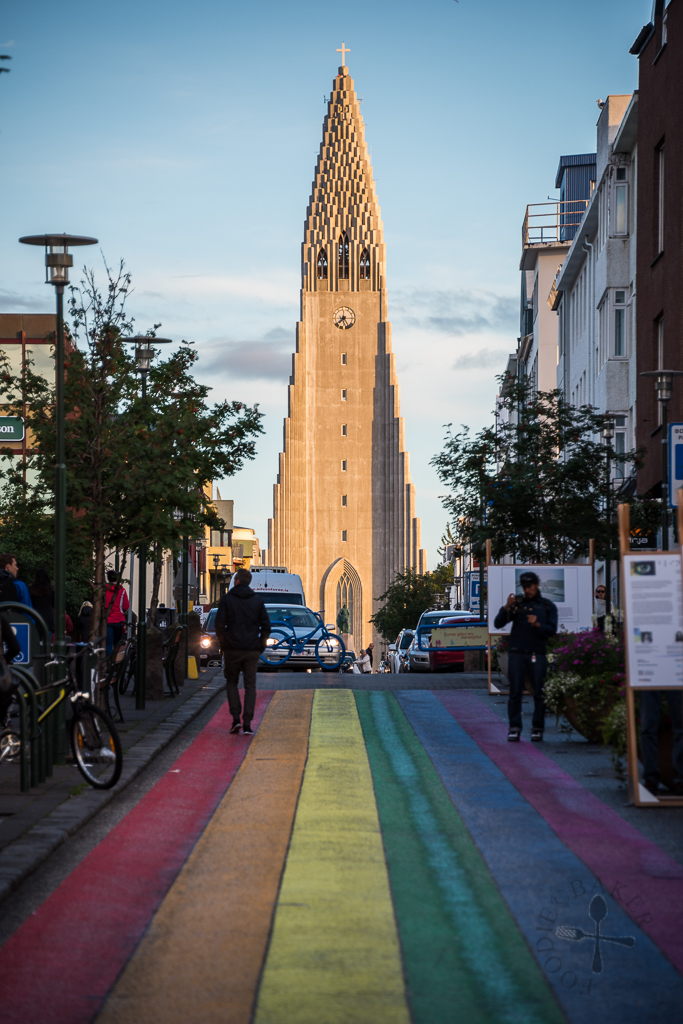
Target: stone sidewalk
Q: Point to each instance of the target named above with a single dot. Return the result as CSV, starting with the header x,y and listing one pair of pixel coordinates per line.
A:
x,y
33,824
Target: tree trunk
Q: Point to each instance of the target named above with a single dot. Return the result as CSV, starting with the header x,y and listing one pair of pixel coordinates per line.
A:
x,y
156,581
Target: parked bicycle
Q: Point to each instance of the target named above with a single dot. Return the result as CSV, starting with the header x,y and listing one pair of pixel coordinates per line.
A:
x,y
284,641
95,743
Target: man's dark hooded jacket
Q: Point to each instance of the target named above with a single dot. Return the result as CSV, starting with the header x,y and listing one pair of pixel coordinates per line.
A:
x,y
242,622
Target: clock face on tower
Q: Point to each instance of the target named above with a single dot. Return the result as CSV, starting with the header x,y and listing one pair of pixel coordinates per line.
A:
x,y
344,317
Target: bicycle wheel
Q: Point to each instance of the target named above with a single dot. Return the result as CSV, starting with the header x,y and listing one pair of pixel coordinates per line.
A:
x,y
128,674
279,648
96,746
329,652
10,746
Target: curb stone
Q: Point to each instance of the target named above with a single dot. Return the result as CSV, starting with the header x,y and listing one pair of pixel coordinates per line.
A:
x,y
20,858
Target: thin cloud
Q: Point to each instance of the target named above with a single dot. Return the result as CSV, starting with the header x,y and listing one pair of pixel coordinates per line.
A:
x,y
269,358
457,312
11,302
484,359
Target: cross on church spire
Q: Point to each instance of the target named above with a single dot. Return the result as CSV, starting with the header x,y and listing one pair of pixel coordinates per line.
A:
x,y
343,51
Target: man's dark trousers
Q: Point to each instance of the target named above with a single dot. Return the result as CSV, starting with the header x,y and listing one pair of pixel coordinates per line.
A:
x,y
650,714
519,666
246,662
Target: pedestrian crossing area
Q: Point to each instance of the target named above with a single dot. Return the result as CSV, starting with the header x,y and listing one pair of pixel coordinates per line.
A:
x,y
367,856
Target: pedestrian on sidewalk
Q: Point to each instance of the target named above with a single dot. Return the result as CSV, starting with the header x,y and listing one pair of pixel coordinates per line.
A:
x,y
242,629
9,562
370,650
8,584
9,639
364,663
534,621
117,604
43,597
85,621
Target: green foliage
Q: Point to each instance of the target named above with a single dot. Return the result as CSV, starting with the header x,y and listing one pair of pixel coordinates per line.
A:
x,y
536,483
407,597
139,468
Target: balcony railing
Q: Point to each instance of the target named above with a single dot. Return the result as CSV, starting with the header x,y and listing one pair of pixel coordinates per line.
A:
x,y
552,222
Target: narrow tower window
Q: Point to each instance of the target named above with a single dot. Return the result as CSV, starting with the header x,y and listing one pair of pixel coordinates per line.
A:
x,y
343,534
343,355
344,395
344,466
365,265
322,265
343,257
344,501
343,430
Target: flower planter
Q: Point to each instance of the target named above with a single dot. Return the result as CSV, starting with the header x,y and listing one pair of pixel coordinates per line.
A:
x,y
592,733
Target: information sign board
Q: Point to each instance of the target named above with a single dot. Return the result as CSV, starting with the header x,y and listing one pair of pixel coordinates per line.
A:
x,y
675,462
570,587
653,599
11,428
457,637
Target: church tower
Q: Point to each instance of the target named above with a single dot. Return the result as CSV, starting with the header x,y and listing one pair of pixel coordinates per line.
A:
x,y
343,505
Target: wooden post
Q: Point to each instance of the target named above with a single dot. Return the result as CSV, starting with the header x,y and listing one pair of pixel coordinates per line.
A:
x,y
591,551
624,514
488,552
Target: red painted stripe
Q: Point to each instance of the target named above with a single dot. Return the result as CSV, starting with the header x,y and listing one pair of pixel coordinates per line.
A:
x,y
645,880
58,967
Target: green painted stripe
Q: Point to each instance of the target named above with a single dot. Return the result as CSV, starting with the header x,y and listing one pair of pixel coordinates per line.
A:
x,y
464,957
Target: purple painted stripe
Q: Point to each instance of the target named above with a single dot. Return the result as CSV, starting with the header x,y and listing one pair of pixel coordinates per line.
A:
x,y
642,878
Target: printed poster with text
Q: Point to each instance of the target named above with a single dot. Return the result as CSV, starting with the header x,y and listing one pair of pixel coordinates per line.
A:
x,y
653,596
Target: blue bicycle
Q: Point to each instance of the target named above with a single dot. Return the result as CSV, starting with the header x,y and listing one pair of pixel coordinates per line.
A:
x,y
283,642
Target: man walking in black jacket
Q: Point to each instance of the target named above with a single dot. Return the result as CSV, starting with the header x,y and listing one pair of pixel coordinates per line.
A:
x,y
534,621
242,628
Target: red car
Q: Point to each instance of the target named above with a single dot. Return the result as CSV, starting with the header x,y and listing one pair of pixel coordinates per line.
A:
x,y
450,661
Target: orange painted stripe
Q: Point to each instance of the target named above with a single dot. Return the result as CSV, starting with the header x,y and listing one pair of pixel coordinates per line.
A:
x,y
201,958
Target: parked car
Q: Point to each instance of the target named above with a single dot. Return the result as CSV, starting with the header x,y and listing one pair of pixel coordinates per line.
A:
x,y
209,651
419,660
450,661
397,655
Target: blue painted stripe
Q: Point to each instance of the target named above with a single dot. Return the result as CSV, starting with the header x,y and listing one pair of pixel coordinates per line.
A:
x,y
507,1003
545,885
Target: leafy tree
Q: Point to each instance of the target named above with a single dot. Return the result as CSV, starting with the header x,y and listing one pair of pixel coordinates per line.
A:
x,y
139,468
407,598
536,483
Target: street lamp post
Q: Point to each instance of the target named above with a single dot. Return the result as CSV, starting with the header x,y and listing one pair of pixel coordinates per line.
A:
x,y
224,575
664,380
144,354
57,263
608,434
216,560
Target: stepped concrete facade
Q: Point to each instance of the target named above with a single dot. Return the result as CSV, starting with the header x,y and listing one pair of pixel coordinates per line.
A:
x,y
344,505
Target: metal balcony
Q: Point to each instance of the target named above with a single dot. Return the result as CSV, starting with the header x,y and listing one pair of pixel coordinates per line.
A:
x,y
552,222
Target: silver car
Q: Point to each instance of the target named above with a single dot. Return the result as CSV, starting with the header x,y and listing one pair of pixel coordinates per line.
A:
x,y
397,655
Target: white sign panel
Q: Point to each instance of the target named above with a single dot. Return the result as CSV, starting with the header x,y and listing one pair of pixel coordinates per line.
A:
x,y
675,462
570,587
653,598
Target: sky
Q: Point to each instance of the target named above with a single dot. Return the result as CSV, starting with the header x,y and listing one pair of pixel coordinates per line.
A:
x,y
184,137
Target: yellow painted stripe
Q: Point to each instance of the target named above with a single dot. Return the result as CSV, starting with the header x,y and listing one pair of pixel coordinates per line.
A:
x,y
334,955
200,961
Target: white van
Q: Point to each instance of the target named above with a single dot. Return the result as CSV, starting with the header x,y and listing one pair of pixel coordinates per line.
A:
x,y
275,585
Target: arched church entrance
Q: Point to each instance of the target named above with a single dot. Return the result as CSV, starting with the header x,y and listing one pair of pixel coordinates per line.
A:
x,y
341,596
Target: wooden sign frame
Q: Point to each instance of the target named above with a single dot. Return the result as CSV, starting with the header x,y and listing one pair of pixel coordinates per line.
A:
x,y
638,794
495,691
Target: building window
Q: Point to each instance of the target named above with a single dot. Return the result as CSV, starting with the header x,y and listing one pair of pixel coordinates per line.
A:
x,y
343,257
619,444
365,265
322,265
343,357
344,430
344,501
660,199
345,597
602,216
665,28
343,534
603,332
344,466
343,398
619,323
620,208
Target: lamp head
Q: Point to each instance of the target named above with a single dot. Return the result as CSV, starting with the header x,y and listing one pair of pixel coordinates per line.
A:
x,y
58,259
608,428
144,352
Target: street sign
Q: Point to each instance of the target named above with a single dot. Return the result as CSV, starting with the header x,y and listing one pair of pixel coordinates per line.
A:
x,y
641,540
22,632
675,462
11,428
473,591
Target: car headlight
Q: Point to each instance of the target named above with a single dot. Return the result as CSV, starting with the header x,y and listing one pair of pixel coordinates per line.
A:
x,y
205,641
271,641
